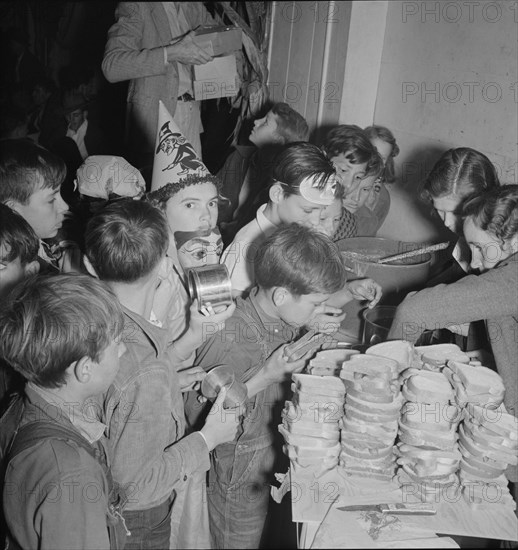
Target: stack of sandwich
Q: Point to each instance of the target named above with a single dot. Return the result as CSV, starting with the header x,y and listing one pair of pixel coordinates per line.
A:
x,y
402,352
428,451
488,436
488,441
329,362
478,385
435,357
310,422
370,424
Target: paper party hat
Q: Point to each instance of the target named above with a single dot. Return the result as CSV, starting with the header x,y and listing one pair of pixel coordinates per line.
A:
x,y
175,157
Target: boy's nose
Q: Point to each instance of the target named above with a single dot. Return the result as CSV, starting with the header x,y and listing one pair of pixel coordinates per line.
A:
x,y
62,205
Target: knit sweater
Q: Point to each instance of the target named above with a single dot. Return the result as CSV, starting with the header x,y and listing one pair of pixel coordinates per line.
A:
x,y
491,296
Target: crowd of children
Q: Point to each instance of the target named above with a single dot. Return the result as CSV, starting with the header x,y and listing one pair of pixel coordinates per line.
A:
x,y
106,440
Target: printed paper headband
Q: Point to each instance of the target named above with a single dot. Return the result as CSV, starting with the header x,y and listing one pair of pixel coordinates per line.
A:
x,y
308,189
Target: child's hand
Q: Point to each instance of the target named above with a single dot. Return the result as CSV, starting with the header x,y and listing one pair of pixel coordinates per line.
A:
x,y
278,366
190,379
326,319
221,424
365,289
207,322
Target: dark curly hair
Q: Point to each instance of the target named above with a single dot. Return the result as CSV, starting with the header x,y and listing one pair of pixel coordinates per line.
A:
x,y
159,197
494,211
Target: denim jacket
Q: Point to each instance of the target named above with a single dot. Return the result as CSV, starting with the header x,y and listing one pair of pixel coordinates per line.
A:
x,y
143,410
247,340
55,492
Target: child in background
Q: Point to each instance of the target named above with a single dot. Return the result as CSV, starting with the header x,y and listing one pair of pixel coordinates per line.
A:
x,y
30,180
18,250
357,166
126,245
60,333
297,270
18,260
331,215
371,217
246,173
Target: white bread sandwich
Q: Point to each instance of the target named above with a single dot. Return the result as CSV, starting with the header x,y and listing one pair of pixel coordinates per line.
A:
x,y
428,387
436,417
476,384
428,439
437,355
398,350
321,385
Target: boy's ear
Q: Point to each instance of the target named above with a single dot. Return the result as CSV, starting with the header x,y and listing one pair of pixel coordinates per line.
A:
x,y
89,267
82,369
32,268
280,296
276,193
13,205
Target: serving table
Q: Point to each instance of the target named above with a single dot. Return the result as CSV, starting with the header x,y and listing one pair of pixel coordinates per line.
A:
x,y
315,502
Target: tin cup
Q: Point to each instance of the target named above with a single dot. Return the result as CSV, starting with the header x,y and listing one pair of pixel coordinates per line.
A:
x,y
224,377
210,285
377,322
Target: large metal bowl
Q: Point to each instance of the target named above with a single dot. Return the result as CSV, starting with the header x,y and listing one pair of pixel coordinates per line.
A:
x,y
397,279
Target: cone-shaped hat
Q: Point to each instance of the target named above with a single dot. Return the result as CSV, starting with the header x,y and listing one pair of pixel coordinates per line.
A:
x,y
175,157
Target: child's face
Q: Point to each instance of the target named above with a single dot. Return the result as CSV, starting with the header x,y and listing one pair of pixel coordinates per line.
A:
x,y
358,194
297,310
194,208
11,273
265,131
348,174
297,209
447,208
486,249
330,218
384,148
45,211
75,119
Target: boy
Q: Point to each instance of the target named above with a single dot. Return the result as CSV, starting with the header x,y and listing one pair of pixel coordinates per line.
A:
x,y
304,184
247,170
297,270
358,165
18,260
60,333
125,246
18,250
30,181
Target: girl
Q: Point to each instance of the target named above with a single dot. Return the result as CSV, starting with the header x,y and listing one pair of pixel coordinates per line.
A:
x,y
191,208
490,225
458,173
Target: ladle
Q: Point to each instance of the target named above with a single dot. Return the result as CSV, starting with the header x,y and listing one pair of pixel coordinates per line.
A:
x,y
359,257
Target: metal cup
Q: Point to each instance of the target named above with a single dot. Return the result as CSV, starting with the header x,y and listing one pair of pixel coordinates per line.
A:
x,y
220,377
377,322
210,284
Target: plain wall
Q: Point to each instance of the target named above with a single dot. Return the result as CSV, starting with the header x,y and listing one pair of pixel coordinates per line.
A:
x,y
448,79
